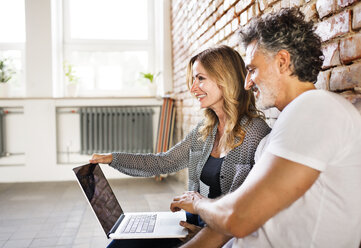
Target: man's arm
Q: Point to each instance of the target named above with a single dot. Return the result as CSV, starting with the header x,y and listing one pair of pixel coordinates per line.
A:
x,y
272,185
207,237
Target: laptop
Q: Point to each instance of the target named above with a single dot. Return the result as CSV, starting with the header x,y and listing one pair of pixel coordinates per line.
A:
x,y
117,224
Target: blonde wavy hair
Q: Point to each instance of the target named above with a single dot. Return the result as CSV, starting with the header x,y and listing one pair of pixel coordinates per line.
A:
x,y
226,67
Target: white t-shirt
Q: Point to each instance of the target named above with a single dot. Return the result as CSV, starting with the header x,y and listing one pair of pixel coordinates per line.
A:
x,y
321,130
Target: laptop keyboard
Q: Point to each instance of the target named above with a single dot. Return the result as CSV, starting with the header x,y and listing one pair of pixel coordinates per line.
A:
x,y
140,224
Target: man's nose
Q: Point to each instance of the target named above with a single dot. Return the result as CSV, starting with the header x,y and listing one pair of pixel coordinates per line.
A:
x,y
248,82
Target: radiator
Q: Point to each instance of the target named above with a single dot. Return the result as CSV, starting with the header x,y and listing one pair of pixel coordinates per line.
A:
x,y
121,129
2,133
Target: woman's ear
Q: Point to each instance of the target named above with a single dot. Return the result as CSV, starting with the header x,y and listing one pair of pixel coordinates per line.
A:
x,y
284,61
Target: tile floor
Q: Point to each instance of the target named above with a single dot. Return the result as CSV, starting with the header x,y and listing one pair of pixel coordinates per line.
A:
x,y
56,214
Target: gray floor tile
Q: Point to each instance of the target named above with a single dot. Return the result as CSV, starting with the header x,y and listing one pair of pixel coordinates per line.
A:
x,y
57,214
65,240
43,242
5,235
21,243
28,234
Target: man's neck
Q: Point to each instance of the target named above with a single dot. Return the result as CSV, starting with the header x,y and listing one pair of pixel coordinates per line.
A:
x,y
293,88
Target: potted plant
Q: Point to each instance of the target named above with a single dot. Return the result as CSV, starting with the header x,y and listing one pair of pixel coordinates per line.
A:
x,y
6,74
72,81
150,77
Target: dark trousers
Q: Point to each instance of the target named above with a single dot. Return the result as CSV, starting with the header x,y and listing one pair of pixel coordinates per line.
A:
x,y
139,243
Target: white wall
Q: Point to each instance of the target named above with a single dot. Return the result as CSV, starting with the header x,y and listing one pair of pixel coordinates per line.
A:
x,y
31,132
32,138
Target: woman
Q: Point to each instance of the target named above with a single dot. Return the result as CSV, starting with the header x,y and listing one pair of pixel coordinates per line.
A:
x,y
219,152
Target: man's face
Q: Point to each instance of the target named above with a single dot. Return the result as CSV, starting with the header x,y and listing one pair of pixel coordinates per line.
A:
x,y
262,76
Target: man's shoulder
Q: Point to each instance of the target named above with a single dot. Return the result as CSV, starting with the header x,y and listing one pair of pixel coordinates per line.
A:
x,y
315,96
319,96
320,102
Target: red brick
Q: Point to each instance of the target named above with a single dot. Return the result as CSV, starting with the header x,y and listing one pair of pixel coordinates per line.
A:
x,y
221,22
228,30
210,9
242,5
235,24
332,55
344,78
325,7
220,11
323,80
296,3
226,4
350,48
252,11
221,34
310,11
270,2
285,3
344,3
354,97
263,4
243,18
218,3
356,20
276,6
233,2
231,14
334,26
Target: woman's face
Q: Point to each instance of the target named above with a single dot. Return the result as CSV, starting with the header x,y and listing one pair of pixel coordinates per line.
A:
x,y
205,89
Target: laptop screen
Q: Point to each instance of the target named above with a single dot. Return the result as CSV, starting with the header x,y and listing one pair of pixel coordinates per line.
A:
x,y
99,194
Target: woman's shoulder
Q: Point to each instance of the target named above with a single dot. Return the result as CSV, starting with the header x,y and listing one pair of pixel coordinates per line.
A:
x,y
195,129
256,124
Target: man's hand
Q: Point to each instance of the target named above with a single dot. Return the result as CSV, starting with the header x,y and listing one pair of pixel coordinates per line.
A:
x,y
192,230
101,158
187,201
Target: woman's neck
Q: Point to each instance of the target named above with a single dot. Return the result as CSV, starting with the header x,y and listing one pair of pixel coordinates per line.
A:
x,y
217,151
221,123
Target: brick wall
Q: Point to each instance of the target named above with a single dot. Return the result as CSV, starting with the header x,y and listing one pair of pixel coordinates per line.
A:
x,y
197,25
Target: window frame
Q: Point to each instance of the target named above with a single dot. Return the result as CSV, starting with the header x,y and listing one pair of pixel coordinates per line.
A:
x,y
17,46
99,45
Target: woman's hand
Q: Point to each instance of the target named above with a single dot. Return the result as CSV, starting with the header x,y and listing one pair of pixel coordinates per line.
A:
x,y
192,230
187,202
101,158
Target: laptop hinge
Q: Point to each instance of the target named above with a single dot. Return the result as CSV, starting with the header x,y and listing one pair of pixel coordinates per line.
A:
x,y
116,225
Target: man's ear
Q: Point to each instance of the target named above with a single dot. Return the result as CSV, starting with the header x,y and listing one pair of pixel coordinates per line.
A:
x,y
284,60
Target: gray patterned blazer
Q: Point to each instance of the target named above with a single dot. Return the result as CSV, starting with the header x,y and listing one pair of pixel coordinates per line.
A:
x,y
193,153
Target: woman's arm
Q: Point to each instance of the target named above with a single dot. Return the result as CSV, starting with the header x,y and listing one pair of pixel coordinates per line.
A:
x,y
146,165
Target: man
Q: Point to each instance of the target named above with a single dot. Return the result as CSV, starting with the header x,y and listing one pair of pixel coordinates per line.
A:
x,y
305,190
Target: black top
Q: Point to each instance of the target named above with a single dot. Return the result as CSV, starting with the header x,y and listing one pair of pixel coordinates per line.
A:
x,y
210,176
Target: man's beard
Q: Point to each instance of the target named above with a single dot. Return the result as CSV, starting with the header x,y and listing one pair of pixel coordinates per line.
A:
x,y
266,98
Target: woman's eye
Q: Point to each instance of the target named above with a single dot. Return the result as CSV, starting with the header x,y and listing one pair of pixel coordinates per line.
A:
x,y
201,78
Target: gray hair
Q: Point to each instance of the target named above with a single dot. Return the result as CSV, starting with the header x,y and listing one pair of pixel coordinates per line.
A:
x,y
288,30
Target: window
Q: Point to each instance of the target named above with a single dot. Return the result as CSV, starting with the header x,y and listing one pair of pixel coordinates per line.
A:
x,y
12,41
108,43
